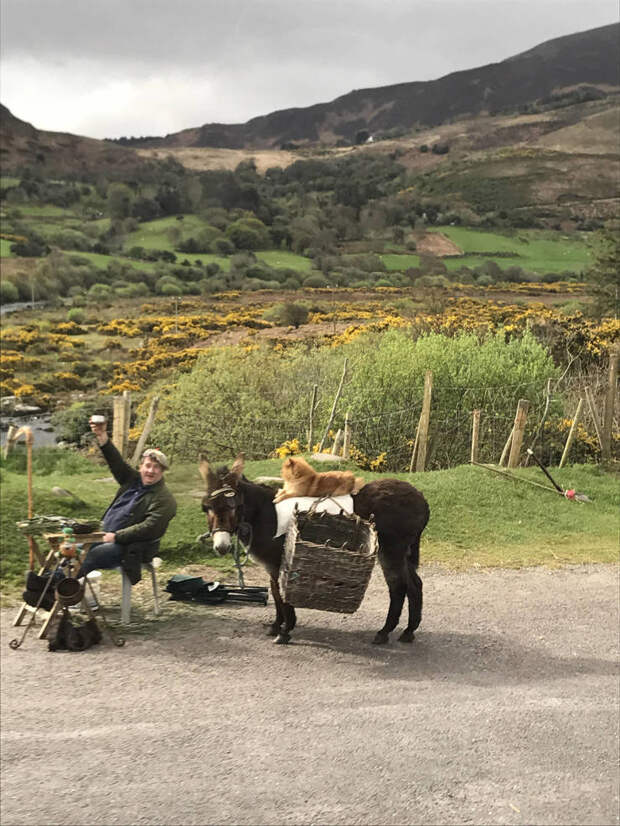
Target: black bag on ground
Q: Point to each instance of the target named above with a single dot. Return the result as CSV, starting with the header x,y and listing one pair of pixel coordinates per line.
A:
x,y
195,589
70,637
184,587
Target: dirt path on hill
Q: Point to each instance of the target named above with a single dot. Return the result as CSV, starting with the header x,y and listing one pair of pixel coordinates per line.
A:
x,y
503,711
436,243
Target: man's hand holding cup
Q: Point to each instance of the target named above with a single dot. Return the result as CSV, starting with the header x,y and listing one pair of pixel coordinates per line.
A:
x,y
98,427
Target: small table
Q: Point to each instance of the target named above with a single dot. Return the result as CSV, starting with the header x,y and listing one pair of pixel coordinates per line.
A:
x,y
54,540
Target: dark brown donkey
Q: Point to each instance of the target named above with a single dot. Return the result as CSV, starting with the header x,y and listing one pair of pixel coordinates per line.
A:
x,y
234,504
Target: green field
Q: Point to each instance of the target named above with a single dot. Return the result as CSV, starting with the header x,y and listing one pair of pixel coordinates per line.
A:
x,y
532,250
153,235
280,259
5,248
395,262
102,261
477,518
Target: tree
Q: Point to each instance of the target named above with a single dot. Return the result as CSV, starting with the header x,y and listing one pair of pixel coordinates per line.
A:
x,y
248,234
604,273
31,247
120,201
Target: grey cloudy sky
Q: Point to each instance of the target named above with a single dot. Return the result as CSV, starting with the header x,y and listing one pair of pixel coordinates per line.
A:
x,y
106,68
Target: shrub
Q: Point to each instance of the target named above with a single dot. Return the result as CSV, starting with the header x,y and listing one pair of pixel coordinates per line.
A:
x,y
315,280
222,246
287,313
8,292
132,290
100,292
272,389
70,239
248,234
72,422
76,315
33,247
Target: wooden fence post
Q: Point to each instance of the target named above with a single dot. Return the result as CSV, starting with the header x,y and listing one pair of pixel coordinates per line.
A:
x,y
120,424
571,433
337,442
414,449
475,428
311,420
333,413
145,430
608,415
518,431
10,439
425,416
598,425
502,458
346,444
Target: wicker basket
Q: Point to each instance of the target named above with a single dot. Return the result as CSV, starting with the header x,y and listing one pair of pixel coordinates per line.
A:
x,y
328,560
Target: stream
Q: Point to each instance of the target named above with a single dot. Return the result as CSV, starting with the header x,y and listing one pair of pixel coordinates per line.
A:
x,y
42,430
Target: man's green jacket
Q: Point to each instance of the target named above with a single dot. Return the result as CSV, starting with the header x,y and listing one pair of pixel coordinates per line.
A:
x,y
148,520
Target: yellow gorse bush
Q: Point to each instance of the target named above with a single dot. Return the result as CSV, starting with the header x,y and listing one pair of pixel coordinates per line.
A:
x,y
289,448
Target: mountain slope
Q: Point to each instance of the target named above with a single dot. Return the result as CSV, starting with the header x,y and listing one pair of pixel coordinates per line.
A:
x,y
564,63
22,145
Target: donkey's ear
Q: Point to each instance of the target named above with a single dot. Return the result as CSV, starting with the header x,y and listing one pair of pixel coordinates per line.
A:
x,y
237,466
205,470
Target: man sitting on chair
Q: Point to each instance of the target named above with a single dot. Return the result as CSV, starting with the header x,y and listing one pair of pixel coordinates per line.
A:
x,y
139,514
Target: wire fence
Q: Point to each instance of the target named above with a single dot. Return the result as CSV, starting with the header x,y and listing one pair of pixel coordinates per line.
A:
x,y
383,438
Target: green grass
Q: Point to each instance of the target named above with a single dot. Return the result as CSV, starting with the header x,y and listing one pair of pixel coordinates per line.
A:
x,y
102,261
154,234
534,249
477,519
280,259
5,248
395,262
7,181
46,211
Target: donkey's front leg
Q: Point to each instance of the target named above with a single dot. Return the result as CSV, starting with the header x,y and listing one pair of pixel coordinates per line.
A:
x,y
285,616
274,628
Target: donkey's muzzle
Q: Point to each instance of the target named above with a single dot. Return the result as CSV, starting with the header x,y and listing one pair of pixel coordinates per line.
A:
x,y
221,542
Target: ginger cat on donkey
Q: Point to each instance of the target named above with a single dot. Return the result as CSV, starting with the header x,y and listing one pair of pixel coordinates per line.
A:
x,y
302,480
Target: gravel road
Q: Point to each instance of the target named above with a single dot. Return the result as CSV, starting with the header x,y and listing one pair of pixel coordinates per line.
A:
x,y
504,710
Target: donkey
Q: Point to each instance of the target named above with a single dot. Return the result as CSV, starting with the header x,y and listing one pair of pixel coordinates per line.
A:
x,y
233,504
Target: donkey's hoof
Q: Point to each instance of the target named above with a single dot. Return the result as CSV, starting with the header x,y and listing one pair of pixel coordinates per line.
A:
x,y
381,638
406,636
282,638
273,630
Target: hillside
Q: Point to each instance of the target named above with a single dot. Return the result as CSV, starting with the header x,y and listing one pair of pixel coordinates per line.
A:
x,y
542,76
565,160
22,145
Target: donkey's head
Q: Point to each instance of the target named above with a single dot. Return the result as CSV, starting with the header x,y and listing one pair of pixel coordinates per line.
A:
x,y
223,501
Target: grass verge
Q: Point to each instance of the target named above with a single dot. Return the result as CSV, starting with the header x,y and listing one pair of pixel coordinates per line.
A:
x,y
478,519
